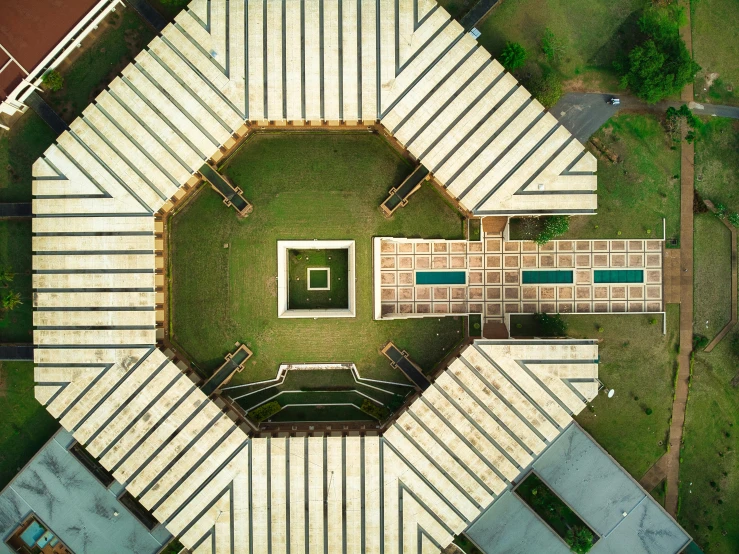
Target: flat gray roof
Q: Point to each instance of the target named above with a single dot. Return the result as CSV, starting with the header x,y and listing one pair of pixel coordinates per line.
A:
x,y
75,506
599,490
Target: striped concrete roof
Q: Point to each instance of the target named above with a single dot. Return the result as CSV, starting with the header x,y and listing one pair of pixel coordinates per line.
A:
x,y
98,267
453,452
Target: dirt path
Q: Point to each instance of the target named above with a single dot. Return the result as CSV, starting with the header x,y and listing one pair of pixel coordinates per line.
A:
x,y
679,404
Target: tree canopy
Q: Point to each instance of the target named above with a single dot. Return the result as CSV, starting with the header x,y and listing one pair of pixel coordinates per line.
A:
x,y
660,65
513,56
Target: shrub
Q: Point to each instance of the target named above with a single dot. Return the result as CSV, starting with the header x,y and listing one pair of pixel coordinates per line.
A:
x,y
734,219
653,321
554,226
513,56
547,89
551,45
579,539
551,325
265,411
380,413
648,411
53,80
11,300
700,342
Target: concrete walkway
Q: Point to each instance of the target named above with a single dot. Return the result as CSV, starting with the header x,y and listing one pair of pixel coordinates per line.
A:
x,y
655,474
15,210
16,352
477,13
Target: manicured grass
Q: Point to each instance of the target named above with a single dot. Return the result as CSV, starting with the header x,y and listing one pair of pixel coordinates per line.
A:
x,y
314,185
636,193
717,162
25,425
123,35
592,34
639,363
304,274
716,48
709,473
712,275
15,253
19,148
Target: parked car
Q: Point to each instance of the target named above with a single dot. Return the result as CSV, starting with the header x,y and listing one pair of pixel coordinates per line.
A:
x,y
615,101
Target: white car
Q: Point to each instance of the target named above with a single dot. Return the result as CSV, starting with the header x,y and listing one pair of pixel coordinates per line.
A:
x,y
615,101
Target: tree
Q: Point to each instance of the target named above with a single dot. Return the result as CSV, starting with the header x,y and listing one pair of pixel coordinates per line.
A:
x,y
660,65
11,300
579,539
513,56
554,226
53,80
673,117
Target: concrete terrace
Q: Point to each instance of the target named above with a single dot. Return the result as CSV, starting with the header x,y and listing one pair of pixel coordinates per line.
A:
x,y
495,271
98,273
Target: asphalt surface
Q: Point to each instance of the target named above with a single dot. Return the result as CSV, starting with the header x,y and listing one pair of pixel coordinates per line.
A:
x,y
582,114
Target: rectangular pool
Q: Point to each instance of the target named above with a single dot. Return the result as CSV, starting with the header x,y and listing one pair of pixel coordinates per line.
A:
x,y
618,276
547,277
441,277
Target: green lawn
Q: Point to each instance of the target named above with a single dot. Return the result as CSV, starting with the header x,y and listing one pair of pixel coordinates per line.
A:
x,y
716,49
712,275
592,34
639,363
717,162
25,424
709,473
328,269
312,185
123,35
28,138
636,193
15,253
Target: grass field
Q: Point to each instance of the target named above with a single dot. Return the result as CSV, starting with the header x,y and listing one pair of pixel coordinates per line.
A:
x,y
709,472
123,35
716,49
325,186
19,148
15,253
711,274
717,162
327,269
592,35
25,425
639,363
636,193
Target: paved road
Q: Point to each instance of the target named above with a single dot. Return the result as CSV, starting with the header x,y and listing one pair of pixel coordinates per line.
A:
x,y
583,113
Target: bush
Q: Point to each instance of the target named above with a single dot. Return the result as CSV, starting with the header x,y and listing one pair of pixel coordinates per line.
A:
x,y
547,89
700,342
579,539
734,219
265,411
380,413
53,80
513,56
554,226
648,411
551,325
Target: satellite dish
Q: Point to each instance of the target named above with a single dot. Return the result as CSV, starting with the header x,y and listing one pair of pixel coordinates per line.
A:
x,y
611,393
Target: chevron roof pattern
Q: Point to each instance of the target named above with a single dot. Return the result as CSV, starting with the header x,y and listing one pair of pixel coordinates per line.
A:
x,y
98,269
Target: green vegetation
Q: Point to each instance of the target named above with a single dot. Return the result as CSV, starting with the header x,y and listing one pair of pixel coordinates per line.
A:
x,y
466,545
380,413
584,38
174,547
475,325
300,297
546,87
717,162
632,352
19,149
25,425
538,325
553,226
673,118
302,185
474,229
265,411
457,8
52,80
15,249
513,56
638,191
709,474
169,8
122,36
555,513
712,275
716,49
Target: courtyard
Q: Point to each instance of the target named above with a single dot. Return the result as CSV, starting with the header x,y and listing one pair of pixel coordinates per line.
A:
x,y
303,186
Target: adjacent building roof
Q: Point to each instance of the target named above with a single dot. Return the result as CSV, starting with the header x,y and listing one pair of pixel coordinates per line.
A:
x,y
624,516
74,505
